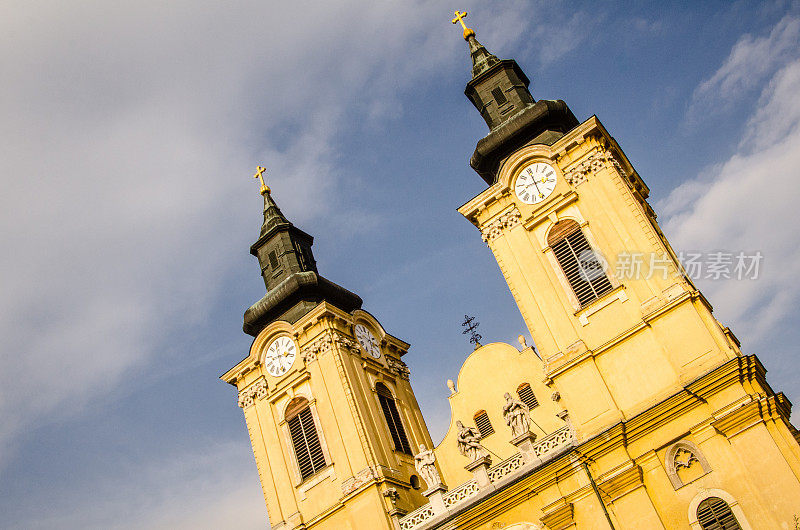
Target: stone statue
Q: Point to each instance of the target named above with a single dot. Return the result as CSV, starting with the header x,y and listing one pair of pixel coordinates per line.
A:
x,y
424,462
469,442
516,414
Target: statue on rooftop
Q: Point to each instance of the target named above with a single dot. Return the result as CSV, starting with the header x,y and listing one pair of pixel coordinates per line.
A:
x,y
426,467
516,414
469,442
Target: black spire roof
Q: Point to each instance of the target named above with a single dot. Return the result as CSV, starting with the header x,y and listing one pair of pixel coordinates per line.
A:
x,y
499,90
294,287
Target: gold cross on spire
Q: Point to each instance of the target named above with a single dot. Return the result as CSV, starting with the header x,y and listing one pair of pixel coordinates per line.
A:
x,y
459,18
259,172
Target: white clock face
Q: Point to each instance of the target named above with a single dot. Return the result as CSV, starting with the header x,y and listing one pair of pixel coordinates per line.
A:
x,y
367,341
280,356
535,183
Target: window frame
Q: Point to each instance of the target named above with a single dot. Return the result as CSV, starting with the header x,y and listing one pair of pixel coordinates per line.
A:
x,y
733,504
569,288
393,413
289,440
719,511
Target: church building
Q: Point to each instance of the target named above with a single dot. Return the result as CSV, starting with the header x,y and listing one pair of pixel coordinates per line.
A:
x,y
636,409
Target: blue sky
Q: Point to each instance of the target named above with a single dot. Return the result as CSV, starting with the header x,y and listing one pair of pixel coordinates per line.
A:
x,y
129,137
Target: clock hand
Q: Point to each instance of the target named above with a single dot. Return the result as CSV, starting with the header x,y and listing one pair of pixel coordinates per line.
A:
x,y
537,187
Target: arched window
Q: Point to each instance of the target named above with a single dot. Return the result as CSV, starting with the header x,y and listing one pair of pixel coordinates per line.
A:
x,y
392,416
527,396
584,271
715,514
305,440
483,424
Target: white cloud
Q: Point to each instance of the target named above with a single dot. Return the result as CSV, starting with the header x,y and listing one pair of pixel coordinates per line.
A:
x,y
213,487
749,203
751,61
128,136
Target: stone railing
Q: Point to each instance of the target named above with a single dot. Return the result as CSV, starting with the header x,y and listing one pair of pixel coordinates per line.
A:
x,y
506,467
554,440
417,517
461,493
548,445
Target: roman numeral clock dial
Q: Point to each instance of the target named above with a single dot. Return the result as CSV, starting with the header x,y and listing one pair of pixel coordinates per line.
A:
x,y
535,182
367,341
280,356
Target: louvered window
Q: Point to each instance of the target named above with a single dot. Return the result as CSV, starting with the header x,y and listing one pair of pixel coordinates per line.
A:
x,y
499,97
584,271
307,449
527,396
715,514
483,424
273,260
392,416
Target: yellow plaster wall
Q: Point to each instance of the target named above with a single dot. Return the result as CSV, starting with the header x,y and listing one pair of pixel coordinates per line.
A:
x,y
339,381
485,376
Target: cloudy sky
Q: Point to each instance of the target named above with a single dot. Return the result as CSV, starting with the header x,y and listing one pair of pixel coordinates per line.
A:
x,y
129,134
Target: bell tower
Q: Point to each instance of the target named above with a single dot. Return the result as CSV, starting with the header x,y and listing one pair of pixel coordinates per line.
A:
x,y
330,412
563,212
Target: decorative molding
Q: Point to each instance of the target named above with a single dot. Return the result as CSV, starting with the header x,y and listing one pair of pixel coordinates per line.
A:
x,y
344,342
494,229
255,391
325,342
361,478
310,352
611,157
579,173
398,367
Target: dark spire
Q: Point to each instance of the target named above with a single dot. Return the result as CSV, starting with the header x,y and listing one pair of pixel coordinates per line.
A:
x,y
482,60
294,287
273,216
281,248
499,90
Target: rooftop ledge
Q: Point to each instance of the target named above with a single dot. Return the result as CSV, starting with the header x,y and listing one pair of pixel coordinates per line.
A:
x,y
503,474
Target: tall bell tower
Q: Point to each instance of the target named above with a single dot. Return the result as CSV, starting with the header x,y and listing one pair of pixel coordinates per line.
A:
x,y
332,418
629,346
563,210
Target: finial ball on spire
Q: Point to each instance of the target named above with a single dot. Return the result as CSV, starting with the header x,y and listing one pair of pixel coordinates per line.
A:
x,y
460,15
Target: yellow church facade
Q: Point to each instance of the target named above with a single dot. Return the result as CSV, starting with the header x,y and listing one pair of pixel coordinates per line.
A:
x,y
636,409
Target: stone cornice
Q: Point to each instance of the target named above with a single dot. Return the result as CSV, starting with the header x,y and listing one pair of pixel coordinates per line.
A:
x,y
558,515
753,411
621,481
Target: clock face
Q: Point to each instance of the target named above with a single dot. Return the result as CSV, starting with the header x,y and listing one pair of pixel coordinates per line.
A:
x,y
280,356
535,183
367,340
